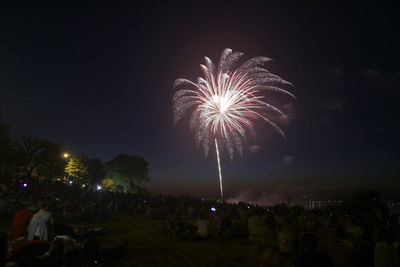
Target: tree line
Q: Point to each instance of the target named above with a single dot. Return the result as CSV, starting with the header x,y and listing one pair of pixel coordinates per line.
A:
x,y
34,159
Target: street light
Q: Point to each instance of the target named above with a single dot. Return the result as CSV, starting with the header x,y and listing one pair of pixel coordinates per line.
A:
x,y
66,156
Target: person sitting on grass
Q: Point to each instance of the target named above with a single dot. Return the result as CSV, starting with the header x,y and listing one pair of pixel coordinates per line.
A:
x,y
21,221
41,225
175,228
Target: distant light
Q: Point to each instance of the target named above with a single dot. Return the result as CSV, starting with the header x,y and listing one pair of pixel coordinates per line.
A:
x,y
213,209
65,155
24,185
70,182
83,186
98,187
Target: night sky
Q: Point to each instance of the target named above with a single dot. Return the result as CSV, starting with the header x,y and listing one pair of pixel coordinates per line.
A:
x,y
97,79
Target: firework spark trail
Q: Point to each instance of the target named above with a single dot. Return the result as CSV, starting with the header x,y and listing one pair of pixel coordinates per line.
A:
x,y
219,169
225,102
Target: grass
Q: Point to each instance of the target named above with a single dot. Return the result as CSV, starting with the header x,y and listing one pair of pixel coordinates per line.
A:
x,y
148,246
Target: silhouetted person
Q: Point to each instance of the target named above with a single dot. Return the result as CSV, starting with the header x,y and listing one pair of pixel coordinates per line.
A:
x,y
54,257
3,248
310,256
93,255
385,255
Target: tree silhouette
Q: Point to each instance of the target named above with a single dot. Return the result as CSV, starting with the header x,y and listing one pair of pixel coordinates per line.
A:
x,y
127,170
51,162
38,157
95,172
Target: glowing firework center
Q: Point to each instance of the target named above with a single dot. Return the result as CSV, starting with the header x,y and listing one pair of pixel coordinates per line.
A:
x,y
221,103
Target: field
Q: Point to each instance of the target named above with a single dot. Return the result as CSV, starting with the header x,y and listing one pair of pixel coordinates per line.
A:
x,y
148,246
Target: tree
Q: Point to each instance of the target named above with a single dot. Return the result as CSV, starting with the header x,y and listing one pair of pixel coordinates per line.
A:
x,y
95,171
51,162
28,150
109,183
77,167
37,156
127,170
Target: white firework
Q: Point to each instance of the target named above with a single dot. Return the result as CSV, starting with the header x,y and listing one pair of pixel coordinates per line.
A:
x,y
225,103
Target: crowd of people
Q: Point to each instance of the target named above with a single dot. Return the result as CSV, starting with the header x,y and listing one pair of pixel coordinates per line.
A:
x,y
46,227
288,236
47,223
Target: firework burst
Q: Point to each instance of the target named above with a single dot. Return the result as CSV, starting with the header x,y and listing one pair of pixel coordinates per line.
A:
x,y
225,103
